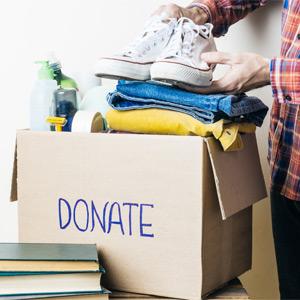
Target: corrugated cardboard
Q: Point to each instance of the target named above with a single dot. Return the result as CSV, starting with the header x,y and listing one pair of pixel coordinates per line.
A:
x,y
173,241
238,176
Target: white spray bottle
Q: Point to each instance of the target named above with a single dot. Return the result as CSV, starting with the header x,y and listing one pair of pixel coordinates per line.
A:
x,y
42,98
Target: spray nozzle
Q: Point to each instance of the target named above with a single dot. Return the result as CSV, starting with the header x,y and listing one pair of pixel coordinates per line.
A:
x,y
45,72
54,63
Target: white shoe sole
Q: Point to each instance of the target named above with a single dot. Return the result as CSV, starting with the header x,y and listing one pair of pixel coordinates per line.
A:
x,y
119,69
172,72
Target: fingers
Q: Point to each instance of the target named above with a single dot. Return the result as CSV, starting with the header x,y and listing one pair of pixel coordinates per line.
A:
x,y
168,11
213,58
198,15
248,71
225,85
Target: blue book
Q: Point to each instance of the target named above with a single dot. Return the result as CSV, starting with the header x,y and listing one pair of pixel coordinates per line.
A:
x,y
102,295
18,257
44,283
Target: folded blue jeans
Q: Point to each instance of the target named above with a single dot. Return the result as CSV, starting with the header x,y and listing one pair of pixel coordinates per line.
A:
x,y
205,108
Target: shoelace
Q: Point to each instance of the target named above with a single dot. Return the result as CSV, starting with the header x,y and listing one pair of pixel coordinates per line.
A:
x,y
152,36
182,42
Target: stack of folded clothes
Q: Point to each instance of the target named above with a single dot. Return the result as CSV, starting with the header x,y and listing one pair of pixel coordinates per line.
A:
x,y
146,107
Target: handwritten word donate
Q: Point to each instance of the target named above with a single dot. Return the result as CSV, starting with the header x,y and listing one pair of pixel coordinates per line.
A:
x,y
85,216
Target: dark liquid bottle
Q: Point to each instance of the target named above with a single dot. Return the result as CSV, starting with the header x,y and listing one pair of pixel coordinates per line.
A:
x,y
66,106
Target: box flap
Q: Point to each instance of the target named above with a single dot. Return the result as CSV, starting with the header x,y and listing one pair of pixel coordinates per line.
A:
x,y
238,175
14,183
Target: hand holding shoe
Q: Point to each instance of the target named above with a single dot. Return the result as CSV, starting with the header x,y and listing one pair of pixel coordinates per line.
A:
x,y
248,71
198,15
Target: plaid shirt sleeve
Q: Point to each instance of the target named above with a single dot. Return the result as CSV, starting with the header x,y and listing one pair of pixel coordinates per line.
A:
x,y
285,80
223,13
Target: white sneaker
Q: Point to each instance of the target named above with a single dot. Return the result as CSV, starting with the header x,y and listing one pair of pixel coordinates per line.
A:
x,y
136,60
181,62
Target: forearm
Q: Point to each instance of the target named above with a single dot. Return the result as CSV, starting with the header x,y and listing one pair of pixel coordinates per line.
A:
x,y
285,80
224,13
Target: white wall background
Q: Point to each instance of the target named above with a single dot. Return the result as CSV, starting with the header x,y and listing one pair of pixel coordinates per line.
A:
x,y
80,32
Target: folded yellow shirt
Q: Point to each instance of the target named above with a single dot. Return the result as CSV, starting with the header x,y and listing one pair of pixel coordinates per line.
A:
x,y
160,121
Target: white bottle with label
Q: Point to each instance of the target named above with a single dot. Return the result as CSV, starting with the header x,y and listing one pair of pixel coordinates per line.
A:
x,y
41,103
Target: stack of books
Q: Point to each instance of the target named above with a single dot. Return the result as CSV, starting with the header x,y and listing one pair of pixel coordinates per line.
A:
x,y
56,271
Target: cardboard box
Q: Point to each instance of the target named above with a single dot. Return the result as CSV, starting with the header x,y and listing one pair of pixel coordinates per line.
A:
x,y
172,216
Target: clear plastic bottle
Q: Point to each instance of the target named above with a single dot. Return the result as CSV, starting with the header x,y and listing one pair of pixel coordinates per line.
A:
x,y
41,103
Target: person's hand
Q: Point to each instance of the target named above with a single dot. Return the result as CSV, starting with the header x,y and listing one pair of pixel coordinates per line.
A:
x,y
198,15
247,71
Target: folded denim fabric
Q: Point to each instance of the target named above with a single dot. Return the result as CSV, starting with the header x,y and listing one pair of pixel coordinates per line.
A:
x,y
122,102
131,95
160,121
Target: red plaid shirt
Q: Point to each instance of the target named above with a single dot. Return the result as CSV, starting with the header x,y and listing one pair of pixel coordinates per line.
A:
x,y
284,134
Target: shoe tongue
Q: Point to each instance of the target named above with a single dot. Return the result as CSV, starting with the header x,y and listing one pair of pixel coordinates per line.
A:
x,y
153,25
153,28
